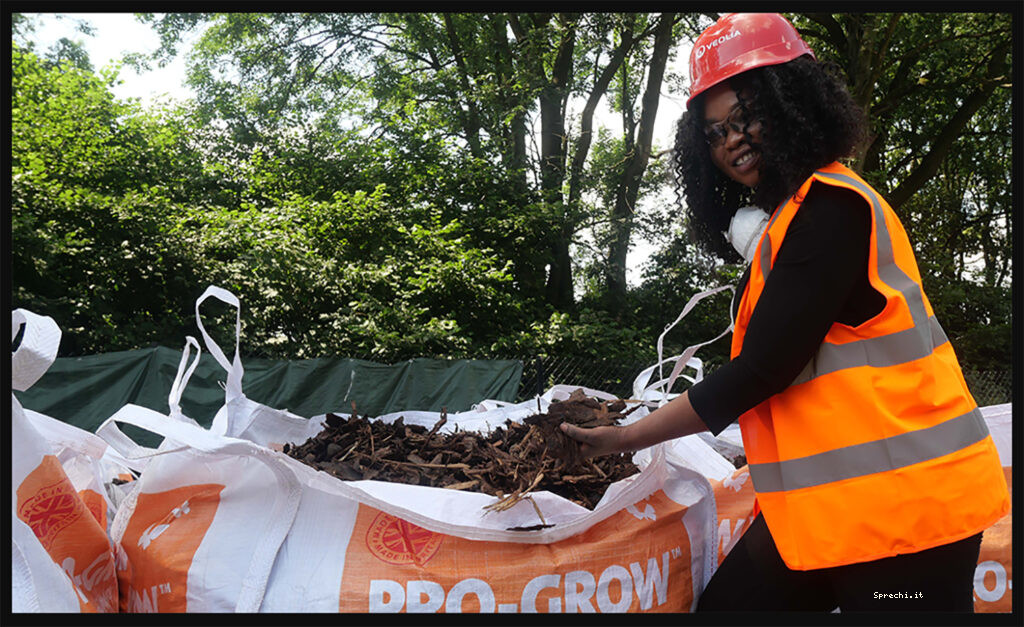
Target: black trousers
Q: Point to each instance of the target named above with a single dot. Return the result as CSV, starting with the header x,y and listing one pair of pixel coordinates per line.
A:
x,y
754,577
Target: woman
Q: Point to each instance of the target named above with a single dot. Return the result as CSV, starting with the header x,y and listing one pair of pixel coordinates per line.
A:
x,y
873,469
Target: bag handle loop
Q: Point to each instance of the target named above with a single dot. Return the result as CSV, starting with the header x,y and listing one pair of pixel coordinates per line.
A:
x,y
37,350
182,377
233,389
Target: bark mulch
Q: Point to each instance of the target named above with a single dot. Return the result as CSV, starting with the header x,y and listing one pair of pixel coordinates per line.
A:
x,y
509,462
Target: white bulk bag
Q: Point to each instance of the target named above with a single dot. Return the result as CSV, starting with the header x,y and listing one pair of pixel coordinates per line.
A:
x,y
255,530
242,518
90,464
62,560
993,577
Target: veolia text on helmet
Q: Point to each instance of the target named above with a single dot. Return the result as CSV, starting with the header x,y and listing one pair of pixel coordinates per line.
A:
x,y
738,42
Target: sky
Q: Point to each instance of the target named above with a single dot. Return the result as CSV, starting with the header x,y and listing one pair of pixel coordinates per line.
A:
x,y
118,33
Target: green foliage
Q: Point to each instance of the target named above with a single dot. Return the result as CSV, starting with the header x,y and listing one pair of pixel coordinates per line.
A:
x,y
119,223
348,277
90,187
936,88
587,333
455,93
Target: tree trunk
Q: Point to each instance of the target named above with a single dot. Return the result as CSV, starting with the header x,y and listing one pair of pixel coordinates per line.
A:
x,y
530,273
583,142
866,42
470,118
629,186
553,96
514,151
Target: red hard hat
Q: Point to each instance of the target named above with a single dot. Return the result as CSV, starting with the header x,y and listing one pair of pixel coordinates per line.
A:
x,y
738,42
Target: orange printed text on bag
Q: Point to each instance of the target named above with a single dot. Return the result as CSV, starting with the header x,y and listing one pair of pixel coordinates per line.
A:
x,y
877,448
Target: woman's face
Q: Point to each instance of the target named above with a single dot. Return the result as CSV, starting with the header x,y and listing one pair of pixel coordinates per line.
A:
x,y
724,126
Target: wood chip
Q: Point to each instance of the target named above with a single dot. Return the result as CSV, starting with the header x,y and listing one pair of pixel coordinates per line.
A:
x,y
509,463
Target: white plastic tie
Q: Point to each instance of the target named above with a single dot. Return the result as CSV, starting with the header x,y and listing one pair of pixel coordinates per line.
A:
x,y
686,358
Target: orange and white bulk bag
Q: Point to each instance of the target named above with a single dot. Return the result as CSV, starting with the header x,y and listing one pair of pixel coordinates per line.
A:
x,y
734,504
62,559
90,464
222,524
221,521
993,578
202,525
200,528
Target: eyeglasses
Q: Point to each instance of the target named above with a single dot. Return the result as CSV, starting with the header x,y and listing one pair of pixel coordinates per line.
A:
x,y
717,132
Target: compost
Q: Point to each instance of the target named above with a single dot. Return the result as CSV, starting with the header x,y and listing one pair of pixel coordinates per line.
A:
x,y
509,462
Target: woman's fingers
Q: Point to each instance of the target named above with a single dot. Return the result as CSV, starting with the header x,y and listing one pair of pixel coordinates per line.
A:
x,y
584,436
572,431
593,442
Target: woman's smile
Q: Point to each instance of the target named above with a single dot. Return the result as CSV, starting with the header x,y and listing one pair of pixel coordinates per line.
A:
x,y
727,131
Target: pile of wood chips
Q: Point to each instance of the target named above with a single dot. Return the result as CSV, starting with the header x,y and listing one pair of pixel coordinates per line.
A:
x,y
509,462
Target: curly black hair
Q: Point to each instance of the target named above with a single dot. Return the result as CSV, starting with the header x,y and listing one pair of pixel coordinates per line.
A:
x,y
808,120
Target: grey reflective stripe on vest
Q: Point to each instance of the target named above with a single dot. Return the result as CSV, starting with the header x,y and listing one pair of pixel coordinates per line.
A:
x,y
901,347
868,458
877,352
890,273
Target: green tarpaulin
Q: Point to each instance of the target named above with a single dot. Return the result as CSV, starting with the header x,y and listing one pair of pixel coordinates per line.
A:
x,y
85,391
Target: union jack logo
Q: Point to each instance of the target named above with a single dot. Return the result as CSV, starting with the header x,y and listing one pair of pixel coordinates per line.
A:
x,y
50,510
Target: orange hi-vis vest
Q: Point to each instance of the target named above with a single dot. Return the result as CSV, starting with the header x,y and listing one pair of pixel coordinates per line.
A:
x,y
877,448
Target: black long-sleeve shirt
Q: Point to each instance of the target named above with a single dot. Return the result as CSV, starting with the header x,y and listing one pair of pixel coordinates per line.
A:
x,y
820,276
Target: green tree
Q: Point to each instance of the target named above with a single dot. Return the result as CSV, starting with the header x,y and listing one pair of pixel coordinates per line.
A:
x,y
92,182
478,81
122,216
934,71
397,185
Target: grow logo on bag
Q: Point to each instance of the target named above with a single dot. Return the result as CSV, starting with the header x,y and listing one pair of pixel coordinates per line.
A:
x,y
159,543
602,569
395,541
737,479
95,505
648,512
734,500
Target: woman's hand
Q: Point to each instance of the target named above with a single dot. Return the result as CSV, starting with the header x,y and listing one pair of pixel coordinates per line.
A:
x,y
674,420
598,440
